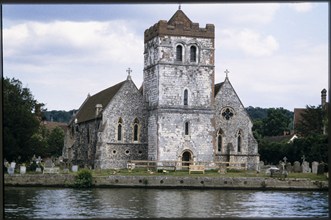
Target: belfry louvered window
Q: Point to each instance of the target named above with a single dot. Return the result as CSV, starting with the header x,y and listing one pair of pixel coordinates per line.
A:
x,y
179,53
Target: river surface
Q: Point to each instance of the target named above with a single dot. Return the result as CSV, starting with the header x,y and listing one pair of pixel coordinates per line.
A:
x,y
61,203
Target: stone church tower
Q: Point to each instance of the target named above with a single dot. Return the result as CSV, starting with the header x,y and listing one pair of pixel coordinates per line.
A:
x,y
178,86
179,113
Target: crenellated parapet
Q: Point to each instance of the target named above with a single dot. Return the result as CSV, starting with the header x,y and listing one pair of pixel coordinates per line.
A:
x,y
179,25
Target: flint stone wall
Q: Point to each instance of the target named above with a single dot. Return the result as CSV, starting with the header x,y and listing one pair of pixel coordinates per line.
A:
x,y
127,104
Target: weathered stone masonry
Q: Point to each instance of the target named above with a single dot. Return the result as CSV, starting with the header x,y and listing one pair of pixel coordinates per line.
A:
x,y
179,113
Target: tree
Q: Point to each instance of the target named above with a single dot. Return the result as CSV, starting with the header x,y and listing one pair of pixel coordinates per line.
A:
x,y
312,121
257,112
277,121
19,121
55,142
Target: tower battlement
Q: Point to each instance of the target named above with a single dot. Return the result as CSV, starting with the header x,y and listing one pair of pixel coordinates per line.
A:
x,y
179,25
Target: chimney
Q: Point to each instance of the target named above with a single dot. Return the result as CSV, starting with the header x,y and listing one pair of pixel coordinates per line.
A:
x,y
323,97
98,109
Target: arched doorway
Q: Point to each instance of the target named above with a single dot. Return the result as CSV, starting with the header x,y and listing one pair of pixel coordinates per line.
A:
x,y
187,156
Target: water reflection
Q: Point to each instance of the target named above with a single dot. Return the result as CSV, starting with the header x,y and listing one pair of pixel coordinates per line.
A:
x,y
157,203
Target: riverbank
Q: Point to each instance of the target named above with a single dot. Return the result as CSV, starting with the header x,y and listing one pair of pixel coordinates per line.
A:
x,y
166,181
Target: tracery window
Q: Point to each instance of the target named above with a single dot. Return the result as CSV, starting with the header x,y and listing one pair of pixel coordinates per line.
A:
x,y
227,113
193,54
179,53
185,97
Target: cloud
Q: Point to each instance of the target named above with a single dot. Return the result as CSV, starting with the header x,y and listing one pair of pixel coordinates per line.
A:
x,y
301,7
93,40
76,57
233,13
254,13
280,80
63,59
248,41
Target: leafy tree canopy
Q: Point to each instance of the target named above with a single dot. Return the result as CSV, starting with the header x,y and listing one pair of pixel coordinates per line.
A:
x,y
312,121
24,135
20,123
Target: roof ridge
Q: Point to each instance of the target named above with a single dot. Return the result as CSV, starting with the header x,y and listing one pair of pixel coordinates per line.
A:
x,y
87,110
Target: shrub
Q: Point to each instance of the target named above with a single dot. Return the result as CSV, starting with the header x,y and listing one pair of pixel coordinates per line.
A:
x,y
83,179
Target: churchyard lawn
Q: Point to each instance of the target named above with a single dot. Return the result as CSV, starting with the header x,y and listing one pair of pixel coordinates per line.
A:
x,y
208,173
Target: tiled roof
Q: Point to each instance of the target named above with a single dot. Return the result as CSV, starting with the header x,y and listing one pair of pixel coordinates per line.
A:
x,y
87,110
180,18
217,88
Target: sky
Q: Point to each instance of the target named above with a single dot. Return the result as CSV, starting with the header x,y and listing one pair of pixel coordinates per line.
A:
x,y
276,53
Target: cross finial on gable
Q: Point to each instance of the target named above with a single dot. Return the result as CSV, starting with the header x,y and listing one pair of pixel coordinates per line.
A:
x,y
129,71
226,72
179,6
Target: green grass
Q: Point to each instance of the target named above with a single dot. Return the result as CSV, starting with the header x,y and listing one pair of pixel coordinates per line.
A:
x,y
185,173
208,173
310,176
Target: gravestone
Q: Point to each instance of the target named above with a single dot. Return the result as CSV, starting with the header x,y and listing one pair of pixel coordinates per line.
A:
x,y
321,169
296,167
281,166
305,167
49,167
5,163
22,169
288,167
314,167
38,170
49,163
38,160
74,168
11,170
12,165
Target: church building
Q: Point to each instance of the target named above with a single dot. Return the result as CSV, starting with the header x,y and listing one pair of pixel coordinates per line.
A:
x,y
178,114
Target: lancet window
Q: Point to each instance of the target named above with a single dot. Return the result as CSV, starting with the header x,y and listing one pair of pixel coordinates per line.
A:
x,y
119,129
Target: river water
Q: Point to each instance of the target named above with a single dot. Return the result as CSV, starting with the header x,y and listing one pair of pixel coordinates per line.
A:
x,y
61,203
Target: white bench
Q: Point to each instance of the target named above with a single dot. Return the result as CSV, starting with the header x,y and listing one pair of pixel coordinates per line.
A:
x,y
197,168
